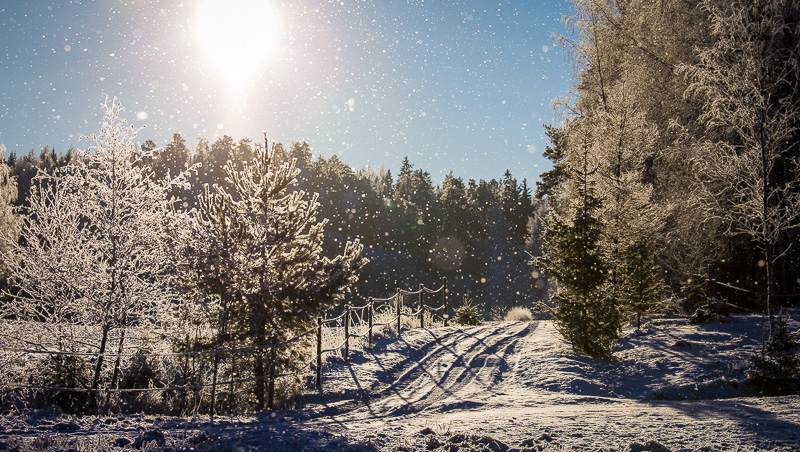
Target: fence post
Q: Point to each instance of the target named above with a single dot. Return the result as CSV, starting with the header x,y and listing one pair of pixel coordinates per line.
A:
x,y
398,304
347,334
421,306
444,299
319,351
214,387
370,314
273,357
232,385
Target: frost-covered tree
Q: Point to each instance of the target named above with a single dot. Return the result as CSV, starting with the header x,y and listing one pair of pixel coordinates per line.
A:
x,y
626,54
8,194
749,81
92,249
631,219
257,245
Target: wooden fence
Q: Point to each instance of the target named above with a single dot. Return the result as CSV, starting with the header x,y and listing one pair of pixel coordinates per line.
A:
x,y
397,299
352,316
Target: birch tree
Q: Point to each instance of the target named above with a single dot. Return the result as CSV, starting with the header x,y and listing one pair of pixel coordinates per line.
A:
x,y
92,252
749,81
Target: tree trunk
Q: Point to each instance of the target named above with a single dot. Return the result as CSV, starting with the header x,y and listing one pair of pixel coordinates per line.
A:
x,y
770,267
260,390
214,387
184,395
93,403
119,358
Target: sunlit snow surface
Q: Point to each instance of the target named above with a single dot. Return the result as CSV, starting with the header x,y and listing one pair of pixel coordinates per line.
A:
x,y
514,385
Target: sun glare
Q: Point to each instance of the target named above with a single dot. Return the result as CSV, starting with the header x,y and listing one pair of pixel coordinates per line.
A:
x,y
237,37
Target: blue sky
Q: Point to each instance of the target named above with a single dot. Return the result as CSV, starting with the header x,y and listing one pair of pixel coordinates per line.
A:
x,y
456,86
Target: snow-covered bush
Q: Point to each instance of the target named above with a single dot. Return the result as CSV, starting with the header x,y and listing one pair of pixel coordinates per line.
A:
x,y
65,371
519,314
147,369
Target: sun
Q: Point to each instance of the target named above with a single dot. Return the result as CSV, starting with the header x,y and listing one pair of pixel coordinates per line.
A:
x,y
237,37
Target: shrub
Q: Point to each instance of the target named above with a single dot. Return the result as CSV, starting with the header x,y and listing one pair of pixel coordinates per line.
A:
x,y
468,313
66,371
777,369
144,371
519,314
141,373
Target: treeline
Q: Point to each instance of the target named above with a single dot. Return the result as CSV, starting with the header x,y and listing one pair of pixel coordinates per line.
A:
x,y
677,168
478,234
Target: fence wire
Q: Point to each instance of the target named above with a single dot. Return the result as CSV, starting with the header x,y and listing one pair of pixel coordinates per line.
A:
x,y
161,355
335,328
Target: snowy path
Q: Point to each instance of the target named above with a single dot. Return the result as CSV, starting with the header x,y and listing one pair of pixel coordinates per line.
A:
x,y
453,371
513,382
516,383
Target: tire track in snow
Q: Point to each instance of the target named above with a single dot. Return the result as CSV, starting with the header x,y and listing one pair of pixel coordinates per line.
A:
x,y
449,375
335,403
474,372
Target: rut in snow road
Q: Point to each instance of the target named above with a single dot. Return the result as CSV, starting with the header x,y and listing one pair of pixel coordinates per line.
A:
x,y
455,368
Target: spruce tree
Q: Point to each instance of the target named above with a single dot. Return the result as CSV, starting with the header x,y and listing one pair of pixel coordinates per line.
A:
x,y
582,310
642,289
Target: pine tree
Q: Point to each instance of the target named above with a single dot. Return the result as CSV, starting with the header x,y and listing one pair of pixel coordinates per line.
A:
x,y
174,159
222,150
552,181
386,187
406,186
301,152
257,245
453,199
510,199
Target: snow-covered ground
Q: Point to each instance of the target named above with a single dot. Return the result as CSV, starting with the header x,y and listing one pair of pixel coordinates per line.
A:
x,y
672,386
